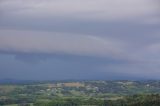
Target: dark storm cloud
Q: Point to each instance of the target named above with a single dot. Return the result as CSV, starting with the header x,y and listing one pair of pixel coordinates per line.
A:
x,y
89,38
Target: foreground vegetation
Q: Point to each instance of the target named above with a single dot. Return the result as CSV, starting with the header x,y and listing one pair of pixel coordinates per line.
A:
x,y
135,100
81,93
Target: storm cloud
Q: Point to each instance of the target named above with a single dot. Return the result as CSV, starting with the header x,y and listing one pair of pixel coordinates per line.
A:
x,y
79,39
50,43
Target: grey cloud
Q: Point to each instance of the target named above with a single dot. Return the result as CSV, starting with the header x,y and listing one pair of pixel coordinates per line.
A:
x,y
63,67
113,38
141,70
80,9
44,42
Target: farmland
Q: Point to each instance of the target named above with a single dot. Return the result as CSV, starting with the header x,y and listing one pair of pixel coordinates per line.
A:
x,y
34,94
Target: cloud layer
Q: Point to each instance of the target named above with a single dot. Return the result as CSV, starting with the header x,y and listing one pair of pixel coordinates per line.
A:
x,y
117,39
91,9
51,43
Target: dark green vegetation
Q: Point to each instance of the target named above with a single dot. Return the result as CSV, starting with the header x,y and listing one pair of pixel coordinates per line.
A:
x,y
135,100
81,93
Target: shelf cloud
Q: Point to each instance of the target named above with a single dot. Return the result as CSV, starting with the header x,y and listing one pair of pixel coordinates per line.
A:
x,y
50,43
88,39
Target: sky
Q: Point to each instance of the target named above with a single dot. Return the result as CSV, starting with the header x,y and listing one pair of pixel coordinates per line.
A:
x,y
79,39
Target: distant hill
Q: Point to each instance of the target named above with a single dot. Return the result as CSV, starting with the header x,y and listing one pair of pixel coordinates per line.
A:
x,y
15,81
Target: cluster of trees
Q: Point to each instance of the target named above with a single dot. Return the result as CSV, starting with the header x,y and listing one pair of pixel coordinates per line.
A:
x,y
17,100
140,100
135,100
71,102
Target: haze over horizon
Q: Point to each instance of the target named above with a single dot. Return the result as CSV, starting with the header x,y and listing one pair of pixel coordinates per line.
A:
x,y
79,39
